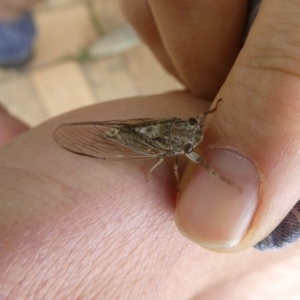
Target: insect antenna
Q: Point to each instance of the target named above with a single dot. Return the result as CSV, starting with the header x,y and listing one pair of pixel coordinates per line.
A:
x,y
200,117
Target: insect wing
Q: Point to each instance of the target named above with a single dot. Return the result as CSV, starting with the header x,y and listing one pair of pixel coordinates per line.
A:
x,y
96,139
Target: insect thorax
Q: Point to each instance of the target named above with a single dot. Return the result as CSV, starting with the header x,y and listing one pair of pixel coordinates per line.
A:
x,y
171,135
184,133
162,138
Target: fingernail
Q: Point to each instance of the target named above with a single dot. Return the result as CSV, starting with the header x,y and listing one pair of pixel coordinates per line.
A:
x,y
213,213
287,232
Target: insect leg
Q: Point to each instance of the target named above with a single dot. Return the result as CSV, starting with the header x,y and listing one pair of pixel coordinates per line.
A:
x,y
176,168
154,167
193,156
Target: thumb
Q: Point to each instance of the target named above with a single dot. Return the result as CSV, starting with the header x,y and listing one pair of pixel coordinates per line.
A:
x,y
253,139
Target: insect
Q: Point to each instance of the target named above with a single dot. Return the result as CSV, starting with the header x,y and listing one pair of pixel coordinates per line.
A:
x,y
138,139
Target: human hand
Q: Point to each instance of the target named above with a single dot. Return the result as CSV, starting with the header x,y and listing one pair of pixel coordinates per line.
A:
x,y
10,127
76,227
254,138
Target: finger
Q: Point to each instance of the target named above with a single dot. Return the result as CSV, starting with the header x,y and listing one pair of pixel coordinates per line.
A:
x,y
202,39
99,219
254,140
140,16
66,214
10,127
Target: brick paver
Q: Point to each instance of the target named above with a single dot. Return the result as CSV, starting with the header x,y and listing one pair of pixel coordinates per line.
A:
x,y
18,96
62,76
57,95
63,32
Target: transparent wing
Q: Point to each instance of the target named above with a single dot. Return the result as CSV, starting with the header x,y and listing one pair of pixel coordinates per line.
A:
x,y
93,139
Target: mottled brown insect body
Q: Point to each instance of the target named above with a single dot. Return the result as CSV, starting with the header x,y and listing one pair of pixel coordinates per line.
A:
x,y
136,139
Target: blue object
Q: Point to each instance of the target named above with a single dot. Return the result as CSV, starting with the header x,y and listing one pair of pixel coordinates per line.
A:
x,y
16,41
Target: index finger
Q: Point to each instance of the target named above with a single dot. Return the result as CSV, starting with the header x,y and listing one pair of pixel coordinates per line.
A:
x,y
201,38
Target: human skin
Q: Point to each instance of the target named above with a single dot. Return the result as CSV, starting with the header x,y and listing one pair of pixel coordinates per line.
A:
x,y
105,238
11,127
73,227
257,123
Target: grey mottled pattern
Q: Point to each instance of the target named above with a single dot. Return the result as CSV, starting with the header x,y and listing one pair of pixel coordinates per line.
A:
x,y
287,232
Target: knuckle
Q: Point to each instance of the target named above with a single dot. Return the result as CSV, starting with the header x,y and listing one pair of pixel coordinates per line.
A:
x,y
268,75
276,48
274,57
268,69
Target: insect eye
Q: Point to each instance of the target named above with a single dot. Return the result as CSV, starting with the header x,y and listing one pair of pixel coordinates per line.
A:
x,y
192,121
188,148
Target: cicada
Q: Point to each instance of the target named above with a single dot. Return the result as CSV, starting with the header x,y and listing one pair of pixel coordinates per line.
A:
x,y
137,139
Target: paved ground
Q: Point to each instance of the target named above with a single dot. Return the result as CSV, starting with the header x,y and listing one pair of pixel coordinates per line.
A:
x,y
63,76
